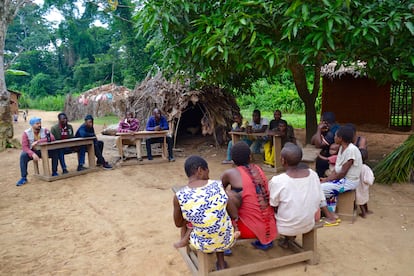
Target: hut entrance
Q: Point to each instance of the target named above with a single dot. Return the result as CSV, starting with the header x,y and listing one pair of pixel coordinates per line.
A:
x,y
189,124
401,106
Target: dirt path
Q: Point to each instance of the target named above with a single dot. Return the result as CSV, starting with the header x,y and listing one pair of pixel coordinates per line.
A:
x,y
119,222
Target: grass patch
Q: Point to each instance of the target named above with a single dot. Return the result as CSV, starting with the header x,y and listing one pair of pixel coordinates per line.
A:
x,y
106,120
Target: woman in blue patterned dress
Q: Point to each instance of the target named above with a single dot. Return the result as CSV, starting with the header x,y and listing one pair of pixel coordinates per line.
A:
x,y
203,203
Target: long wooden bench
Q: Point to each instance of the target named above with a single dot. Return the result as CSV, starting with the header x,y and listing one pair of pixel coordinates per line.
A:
x,y
61,144
201,263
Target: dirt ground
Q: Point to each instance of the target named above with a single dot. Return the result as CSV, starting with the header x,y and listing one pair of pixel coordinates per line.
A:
x,y
119,222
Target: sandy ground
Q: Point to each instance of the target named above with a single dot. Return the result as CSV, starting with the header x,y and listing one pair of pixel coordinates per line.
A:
x,y
119,222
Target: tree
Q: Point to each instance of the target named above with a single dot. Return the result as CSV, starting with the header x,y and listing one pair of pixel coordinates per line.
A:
x,y
228,42
8,10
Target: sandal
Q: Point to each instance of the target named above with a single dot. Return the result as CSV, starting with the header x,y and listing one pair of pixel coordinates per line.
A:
x,y
258,245
329,224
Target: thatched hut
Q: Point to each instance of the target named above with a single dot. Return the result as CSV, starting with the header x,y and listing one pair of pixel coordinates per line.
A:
x,y
100,101
208,111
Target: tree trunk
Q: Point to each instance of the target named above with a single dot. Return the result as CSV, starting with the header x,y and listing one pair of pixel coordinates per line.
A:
x,y
6,125
308,98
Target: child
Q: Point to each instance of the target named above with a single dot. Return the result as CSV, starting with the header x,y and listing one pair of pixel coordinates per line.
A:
x,y
333,154
203,203
362,191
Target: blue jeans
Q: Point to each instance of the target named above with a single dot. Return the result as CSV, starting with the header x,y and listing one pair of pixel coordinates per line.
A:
x,y
98,146
24,160
61,155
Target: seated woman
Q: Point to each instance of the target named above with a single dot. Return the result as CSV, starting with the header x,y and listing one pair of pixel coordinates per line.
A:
x,y
203,203
287,135
347,169
128,124
249,197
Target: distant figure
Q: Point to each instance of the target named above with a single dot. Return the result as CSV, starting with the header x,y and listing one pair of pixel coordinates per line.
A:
x,y
286,133
62,130
15,117
155,123
87,130
258,125
24,116
128,124
296,196
239,125
362,191
203,203
30,138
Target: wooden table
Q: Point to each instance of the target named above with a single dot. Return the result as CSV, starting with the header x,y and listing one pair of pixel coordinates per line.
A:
x,y
61,144
277,143
138,136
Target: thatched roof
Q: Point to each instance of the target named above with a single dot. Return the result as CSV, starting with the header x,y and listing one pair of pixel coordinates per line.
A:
x,y
99,101
332,70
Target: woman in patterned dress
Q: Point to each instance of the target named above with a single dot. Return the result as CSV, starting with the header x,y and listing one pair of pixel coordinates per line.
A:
x,y
203,203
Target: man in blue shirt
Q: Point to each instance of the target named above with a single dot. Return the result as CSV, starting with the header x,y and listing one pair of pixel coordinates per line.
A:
x,y
155,123
87,130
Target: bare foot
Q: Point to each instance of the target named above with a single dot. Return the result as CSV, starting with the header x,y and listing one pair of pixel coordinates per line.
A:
x,y
362,215
237,234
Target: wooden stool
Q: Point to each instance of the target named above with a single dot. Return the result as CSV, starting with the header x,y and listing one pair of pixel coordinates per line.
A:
x,y
345,206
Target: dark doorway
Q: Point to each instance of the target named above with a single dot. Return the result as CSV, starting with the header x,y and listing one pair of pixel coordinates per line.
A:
x,y
190,121
401,106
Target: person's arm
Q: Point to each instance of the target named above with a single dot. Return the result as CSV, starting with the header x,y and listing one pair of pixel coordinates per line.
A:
x,y
178,215
71,134
55,131
232,177
164,123
83,132
320,156
26,145
123,126
134,125
150,124
339,175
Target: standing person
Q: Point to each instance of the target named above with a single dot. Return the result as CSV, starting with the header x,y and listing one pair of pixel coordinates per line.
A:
x,y
347,168
258,125
62,130
362,191
15,117
155,123
30,138
87,130
249,196
203,203
24,116
296,196
128,124
239,125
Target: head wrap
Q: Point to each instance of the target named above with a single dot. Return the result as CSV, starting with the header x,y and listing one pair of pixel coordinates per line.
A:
x,y
34,120
88,117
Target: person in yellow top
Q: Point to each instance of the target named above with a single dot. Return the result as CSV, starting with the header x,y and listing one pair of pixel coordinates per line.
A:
x,y
239,125
203,203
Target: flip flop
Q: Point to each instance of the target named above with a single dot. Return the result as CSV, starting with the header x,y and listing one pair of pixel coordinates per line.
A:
x,y
329,224
258,245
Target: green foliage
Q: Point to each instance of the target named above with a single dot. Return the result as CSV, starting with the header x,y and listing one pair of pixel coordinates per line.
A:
x,y
48,103
398,166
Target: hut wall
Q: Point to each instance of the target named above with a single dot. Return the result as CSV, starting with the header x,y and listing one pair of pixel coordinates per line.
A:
x,y
356,100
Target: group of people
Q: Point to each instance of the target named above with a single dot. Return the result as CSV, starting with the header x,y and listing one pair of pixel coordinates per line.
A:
x,y
63,130
244,204
261,125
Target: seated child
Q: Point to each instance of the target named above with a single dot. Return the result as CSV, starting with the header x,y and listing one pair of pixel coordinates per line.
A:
x,y
296,194
333,154
203,203
362,191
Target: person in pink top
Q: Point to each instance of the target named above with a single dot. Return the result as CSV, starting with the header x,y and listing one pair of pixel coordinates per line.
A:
x,y
249,196
30,138
128,124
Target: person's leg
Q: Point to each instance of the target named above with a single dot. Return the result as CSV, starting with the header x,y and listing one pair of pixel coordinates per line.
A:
x,y
363,213
54,155
24,160
81,160
98,146
229,146
119,145
221,264
148,143
269,153
332,188
170,148
321,166
62,159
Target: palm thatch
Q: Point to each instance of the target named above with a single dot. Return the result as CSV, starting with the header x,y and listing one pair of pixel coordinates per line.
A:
x,y
334,70
398,166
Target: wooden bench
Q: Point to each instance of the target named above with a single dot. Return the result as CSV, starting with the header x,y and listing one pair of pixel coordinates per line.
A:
x,y
345,206
201,263
139,136
61,144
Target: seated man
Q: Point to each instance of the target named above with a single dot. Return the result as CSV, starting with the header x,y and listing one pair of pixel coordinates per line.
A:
x,y
87,130
296,195
30,138
155,123
63,130
249,196
128,124
203,203
239,125
258,125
